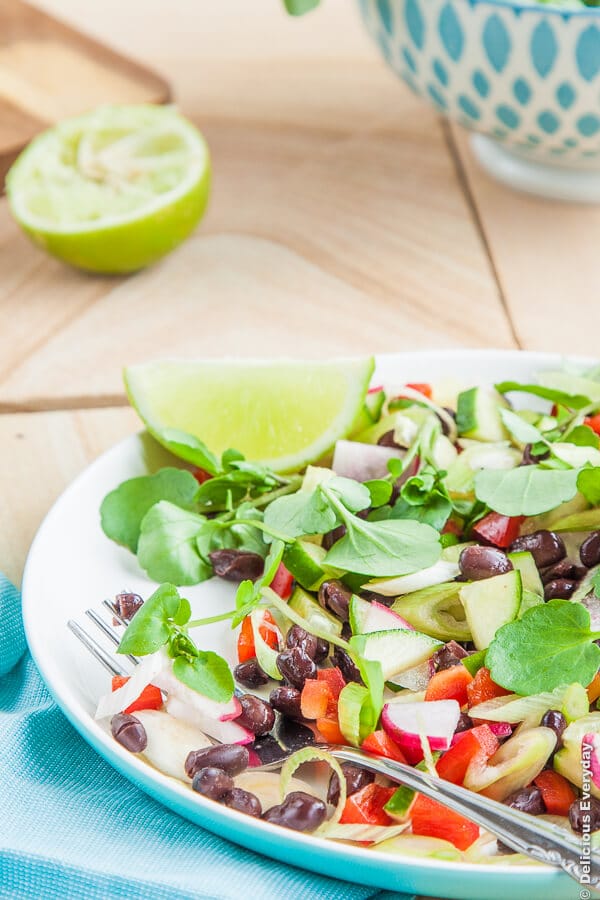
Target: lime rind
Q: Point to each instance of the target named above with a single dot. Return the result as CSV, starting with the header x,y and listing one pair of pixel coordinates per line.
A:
x,y
282,413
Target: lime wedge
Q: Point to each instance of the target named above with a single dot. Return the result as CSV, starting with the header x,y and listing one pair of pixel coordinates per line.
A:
x,y
283,413
114,190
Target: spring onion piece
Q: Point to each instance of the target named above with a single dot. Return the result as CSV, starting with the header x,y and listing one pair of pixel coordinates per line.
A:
x,y
374,834
275,600
513,708
266,656
313,754
353,699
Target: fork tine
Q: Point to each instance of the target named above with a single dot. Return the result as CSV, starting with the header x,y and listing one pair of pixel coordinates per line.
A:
x,y
96,650
108,631
113,611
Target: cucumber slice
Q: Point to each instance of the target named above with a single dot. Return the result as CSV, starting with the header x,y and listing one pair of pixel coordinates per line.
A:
x,y
452,553
396,650
374,403
437,611
530,576
307,607
358,611
490,604
478,415
305,561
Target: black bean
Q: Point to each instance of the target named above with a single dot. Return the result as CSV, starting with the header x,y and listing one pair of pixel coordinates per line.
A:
x,y
546,547
331,537
563,569
212,783
559,589
477,563
356,778
237,565
445,426
257,716
589,552
229,758
322,651
293,735
250,674
243,801
335,597
298,637
584,815
555,720
268,749
528,799
464,723
296,666
299,811
286,700
387,440
127,605
345,664
129,732
449,655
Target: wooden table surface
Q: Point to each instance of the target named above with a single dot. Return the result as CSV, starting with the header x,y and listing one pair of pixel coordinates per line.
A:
x,y
345,217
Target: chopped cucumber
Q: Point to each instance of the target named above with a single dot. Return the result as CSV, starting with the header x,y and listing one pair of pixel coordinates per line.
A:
x,y
452,553
358,611
478,415
396,650
437,611
305,561
490,604
400,803
307,607
474,662
530,576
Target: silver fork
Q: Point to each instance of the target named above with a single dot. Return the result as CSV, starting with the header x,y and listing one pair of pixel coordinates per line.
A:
x,y
541,840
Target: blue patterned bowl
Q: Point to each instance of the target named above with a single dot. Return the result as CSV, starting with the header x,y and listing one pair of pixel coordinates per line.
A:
x,y
525,76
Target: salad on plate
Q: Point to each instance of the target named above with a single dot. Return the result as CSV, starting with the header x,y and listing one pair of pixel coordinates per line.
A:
x,y
416,572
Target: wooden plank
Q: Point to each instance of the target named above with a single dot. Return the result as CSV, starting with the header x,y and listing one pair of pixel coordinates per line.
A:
x,y
546,257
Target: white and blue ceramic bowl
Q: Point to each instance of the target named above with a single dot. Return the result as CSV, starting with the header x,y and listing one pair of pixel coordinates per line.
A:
x,y
524,76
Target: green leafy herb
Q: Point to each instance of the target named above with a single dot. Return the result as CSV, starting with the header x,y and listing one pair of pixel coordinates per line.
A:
x,y
167,548
152,624
521,430
572,401
379,490
187,446
588,483
207,673
234,534
425,499
123,509
526,490
552,644
249,594
582,436
596,584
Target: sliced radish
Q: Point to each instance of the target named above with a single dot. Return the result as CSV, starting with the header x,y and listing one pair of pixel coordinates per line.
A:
x,y
438,573
381,618
500,729
227,732
593,740
222,712
362,462
144,674
435,720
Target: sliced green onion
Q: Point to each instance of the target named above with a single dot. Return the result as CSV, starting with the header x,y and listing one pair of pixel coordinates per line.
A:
x,y
313,754
266,656
275,600
372,833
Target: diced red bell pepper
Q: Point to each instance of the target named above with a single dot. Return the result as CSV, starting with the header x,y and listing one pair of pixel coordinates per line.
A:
x,y
422,388
150,698
453,526
593,422
431,819
593,688
376,389
449,684
478,741
557,793
201,475
498,530
381,744
482,688
245,643
330,730
334,678
316,699
365,807
283,582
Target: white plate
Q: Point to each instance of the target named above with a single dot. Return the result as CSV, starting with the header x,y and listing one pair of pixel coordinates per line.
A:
x,y
72,566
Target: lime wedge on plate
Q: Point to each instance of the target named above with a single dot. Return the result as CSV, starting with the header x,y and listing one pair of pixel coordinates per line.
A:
x,y
282,413
114,190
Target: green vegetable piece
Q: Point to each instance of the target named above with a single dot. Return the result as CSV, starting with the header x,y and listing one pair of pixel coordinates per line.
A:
x,y
530,576
474,662
151,626
588,483
528,600
380,491
573,401
167,546
307,607
123,509
526,490
395,650
300,7
523,432
583,436
550,645
188,447
436,611
207,673
478,414
490,604
400,804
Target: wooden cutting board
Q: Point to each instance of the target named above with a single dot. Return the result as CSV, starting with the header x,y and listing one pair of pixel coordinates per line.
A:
x,y
49,71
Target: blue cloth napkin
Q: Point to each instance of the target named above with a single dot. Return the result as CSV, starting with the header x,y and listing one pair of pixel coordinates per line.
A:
x,y
72,827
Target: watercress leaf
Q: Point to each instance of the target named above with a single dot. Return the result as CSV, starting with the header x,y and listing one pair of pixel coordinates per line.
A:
x,y
588,483
521,430
575,456
390,547
187,446
551,644
229,457
573,401
208,674
379,490
526,490
151,627
354,495
224,490
434,512
299,7
244,593
416,490
583,436
184,613
318,516
123,509
167,547
297,514
395,467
